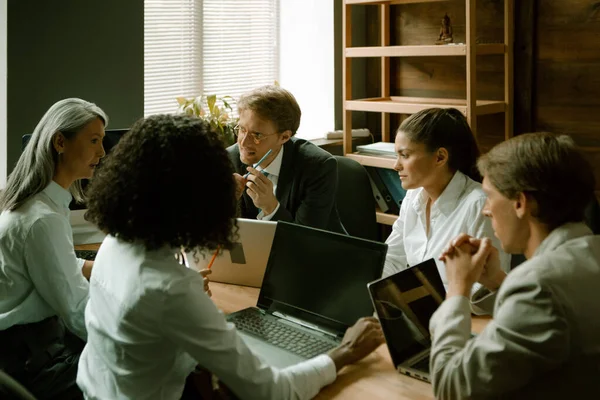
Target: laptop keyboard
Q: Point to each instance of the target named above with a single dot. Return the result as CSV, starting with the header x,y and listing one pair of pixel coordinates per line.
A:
x,y
281,335
86,254
422,365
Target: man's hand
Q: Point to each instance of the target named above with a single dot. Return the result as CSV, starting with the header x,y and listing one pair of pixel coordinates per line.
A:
x,y
464,266
260,190
205,273
240,185
492,275
359,341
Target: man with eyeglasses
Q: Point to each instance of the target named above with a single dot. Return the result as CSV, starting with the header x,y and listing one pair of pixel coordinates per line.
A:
x,y
297,182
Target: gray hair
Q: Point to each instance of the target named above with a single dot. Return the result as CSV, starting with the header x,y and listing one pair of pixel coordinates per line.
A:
x,y
37,164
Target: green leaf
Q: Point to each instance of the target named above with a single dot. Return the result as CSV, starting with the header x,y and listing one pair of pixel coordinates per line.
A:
x,y
226,104
211,100
216,111
198,103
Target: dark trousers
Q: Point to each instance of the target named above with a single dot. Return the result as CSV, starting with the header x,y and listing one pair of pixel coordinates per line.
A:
x,y
43,357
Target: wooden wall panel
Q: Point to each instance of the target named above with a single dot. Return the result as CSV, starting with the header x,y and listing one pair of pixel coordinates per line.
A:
x,y
567,89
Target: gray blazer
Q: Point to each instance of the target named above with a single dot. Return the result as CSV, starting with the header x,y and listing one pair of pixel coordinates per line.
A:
x,y
544,340
306,187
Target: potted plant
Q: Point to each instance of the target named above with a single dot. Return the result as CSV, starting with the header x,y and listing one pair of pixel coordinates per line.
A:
x,y
215,110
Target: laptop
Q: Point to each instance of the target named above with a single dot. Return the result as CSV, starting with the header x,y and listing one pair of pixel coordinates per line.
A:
x,y
314,288
246,262
405,302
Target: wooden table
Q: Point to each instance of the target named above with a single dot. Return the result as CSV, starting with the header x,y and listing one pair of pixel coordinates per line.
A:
x,y
373,378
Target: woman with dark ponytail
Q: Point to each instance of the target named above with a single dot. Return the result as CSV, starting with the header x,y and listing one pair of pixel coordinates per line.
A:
x,y
437,155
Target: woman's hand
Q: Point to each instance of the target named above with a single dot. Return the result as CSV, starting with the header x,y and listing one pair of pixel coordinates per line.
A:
x,y
205,273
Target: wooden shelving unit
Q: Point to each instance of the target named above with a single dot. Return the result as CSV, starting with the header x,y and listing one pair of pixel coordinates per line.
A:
x,y
423,51
386,104
372,161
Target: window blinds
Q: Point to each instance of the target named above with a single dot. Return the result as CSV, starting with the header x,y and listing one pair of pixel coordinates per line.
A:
x,y
222,47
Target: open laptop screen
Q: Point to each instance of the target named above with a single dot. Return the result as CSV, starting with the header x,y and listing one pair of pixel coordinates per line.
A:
x,y
405,302
320,276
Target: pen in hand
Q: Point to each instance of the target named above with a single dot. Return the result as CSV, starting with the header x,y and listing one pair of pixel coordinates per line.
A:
x,y
212,260
259,162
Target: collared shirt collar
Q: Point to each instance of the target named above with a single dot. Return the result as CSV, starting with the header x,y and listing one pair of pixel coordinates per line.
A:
x,y
562,234
446,203
275,167
58,194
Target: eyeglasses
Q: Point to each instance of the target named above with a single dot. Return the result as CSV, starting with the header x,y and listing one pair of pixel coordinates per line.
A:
x,y
256,137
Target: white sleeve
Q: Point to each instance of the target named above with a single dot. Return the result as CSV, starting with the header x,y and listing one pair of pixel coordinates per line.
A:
x,y
261,215
481,227
193,321
395,259
482,301
55,271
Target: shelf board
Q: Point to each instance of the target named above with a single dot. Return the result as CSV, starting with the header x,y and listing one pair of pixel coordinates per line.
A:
x,y
367,2
386,219
373,161
411,105
423,51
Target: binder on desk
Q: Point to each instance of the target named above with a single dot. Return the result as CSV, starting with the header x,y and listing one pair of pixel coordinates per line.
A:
x,y
392,182
380,190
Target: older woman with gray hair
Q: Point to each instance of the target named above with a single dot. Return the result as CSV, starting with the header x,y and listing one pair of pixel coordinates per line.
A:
x,y
43,286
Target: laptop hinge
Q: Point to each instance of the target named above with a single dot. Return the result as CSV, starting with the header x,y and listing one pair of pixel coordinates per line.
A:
x,y
304,324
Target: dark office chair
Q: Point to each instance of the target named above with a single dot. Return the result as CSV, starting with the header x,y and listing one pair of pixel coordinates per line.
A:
x,y
11,389
592,219
355,201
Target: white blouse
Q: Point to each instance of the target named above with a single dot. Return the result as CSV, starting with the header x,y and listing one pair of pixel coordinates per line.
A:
x,y
457,210
39,274
149,323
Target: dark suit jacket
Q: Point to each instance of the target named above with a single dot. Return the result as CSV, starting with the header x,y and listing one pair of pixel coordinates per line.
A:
x,y
306,187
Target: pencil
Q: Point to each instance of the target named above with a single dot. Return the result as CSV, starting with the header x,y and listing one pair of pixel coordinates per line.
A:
x,y
259,161
212,260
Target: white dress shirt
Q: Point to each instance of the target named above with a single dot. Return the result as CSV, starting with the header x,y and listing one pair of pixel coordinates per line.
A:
x,y
39,274
457,210
273,171
149,323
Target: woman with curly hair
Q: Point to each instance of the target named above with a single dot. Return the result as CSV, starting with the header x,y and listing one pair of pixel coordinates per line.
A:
x,y
43,287
149,319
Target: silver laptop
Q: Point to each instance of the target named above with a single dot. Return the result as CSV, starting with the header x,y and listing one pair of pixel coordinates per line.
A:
x,y
246,262
314,289
405,302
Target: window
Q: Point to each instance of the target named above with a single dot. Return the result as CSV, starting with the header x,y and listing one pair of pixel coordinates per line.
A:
x,y
307,62
193,47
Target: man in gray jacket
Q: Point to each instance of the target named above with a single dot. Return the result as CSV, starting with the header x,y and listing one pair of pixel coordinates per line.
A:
x,y
544,339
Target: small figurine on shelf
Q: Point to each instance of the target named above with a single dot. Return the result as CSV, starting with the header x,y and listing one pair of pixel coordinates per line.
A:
x,y
445,31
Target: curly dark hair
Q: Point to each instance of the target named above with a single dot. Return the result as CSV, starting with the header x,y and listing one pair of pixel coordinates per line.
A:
x,y
168,181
